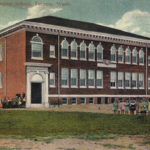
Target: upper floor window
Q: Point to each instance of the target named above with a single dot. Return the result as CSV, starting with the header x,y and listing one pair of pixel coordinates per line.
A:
x,y
127,80
74,49
148,60
113,79
99,79
120,54
64,49
128,56
134,56
74,77
83,51
91,51
134,80
52,79
1,80
141,57
82,78
1,53
148,83
141,80
113,53
37,47
64,77
52,51
99,52
120,79
91,78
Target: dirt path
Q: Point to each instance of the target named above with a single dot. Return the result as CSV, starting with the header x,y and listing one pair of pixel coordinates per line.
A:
x,y
119,143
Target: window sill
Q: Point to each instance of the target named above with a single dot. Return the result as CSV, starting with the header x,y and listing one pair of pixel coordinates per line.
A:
x,y
99,87
141,64
127,87
128,63
64,57
52,86
99,60
52,56
141,88
134,63
91,87
36,58
114,62
84,59
120,87
83,87
120,62
74,58
64,86
73,87
91,60
135,88
113,88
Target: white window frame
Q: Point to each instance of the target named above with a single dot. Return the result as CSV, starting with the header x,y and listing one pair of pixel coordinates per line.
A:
x,y
53,74
52,48
71,100
100,50
74,86
81,86
1,53
113,80
121,77
89,86
141,51
134,53
91,50
84,100
74,43
89,100
1,82
113,51
40,43
126,52
141,74
67,101
65,86
62,44
134,73
126,74
83,44
121,52
101,72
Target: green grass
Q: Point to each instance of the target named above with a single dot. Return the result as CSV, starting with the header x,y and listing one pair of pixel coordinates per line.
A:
x,y
33,124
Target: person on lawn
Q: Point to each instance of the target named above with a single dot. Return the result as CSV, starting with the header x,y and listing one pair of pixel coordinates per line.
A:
x,y
115,107
126,108
122,107
132,107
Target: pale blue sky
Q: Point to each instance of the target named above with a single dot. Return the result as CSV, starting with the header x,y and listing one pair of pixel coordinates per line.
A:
x,y
129,15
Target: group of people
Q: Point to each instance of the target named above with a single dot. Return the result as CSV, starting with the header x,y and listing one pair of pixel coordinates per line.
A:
x,y
131,107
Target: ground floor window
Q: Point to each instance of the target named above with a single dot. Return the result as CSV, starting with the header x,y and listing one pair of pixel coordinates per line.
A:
x,y
73,100
91,100
112,99
99,100
106,100
82,100
120,99
64,100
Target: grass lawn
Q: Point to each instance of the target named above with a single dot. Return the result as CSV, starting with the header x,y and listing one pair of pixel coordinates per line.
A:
x,y
30,124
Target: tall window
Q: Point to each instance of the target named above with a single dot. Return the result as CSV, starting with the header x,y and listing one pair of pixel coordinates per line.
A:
x,y
134,56
99,79
36,47
127,80
113,53
52,79
64,49
1,53
64,77
120,80
74,49
83,51
141,57
120,54
99,52
141,80
74,77
52,51
91,78
82,78
113,79
1,80
128,56
91,51
134,80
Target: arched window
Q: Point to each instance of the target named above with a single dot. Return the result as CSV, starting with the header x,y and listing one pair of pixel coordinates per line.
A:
x,y
141,57
74,49
134,56
64,49
83,51
99,52
1,53
113,53
120,54
128,55
36,47
91,51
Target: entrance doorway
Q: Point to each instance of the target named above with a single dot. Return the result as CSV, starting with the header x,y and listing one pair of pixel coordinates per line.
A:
x,y
36,93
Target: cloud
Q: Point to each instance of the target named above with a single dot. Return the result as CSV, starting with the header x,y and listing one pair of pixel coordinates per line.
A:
x,y
39,10
135,21
33,12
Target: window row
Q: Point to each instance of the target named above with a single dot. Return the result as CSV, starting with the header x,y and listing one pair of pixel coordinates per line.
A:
x,y
125,56
126,80
79,78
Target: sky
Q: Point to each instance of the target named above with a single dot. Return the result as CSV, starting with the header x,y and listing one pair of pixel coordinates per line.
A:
x,y
127,15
